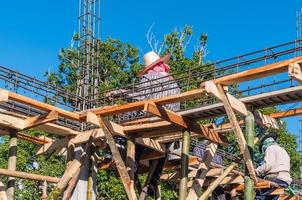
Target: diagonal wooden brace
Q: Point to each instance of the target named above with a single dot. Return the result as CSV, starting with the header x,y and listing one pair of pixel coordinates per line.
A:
x,y
183,122
237,105
238,133
120,165
40,119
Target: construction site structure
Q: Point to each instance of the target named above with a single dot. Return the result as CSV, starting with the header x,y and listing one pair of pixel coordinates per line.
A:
x,y
266,78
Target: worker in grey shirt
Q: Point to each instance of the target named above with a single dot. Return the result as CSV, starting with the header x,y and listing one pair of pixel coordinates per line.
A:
x,y
275,167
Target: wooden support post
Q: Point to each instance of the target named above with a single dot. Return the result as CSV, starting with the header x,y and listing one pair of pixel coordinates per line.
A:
x,y
44,191
250,136
130,160
183,122
120,165
202,172
143,194
12,162
2,192
71,185
183,188
71,171
217,181
238,133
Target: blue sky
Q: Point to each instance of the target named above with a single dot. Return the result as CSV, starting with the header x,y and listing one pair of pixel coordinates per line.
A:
x,y
32,32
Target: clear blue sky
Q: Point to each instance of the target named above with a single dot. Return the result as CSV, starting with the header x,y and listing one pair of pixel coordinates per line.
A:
x,y
32,32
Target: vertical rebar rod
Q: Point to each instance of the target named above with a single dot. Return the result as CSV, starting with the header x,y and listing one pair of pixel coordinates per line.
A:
x,y
183,188
249,136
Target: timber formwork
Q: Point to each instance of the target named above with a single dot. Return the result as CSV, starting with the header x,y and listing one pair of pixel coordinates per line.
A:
x,y
97,128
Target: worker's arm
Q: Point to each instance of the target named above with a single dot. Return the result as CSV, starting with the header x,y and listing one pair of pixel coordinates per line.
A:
x,y
269,160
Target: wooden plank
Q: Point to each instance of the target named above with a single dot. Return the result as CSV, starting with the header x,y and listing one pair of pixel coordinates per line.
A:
x,y
266,120
234,179
40,119
52,146
249,100
125,178
287,113
295,71
183,122
151,156
147,127
118,109
200,173
238,133
84,136
116,129
258,72
236,104
29,176
152,144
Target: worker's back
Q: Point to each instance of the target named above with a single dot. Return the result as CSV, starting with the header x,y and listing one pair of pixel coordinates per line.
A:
x,y
278,162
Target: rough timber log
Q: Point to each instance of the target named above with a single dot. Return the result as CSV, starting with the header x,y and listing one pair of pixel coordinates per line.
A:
x,y
25,175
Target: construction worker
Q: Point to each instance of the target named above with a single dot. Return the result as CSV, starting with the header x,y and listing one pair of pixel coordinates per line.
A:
x,y
155,82
275,167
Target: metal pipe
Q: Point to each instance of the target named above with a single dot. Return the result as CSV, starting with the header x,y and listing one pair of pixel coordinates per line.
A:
x,y
249,136
183,188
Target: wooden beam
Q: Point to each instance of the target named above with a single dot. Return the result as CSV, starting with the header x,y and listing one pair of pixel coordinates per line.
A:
x,y
151,156
116,129
287,113
238,133
183,122
295,71
200,173
40,119
120,165
29,176
217,181
258,72
236,104
234,179
118,109
147,127
37,104
267,121
52,146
